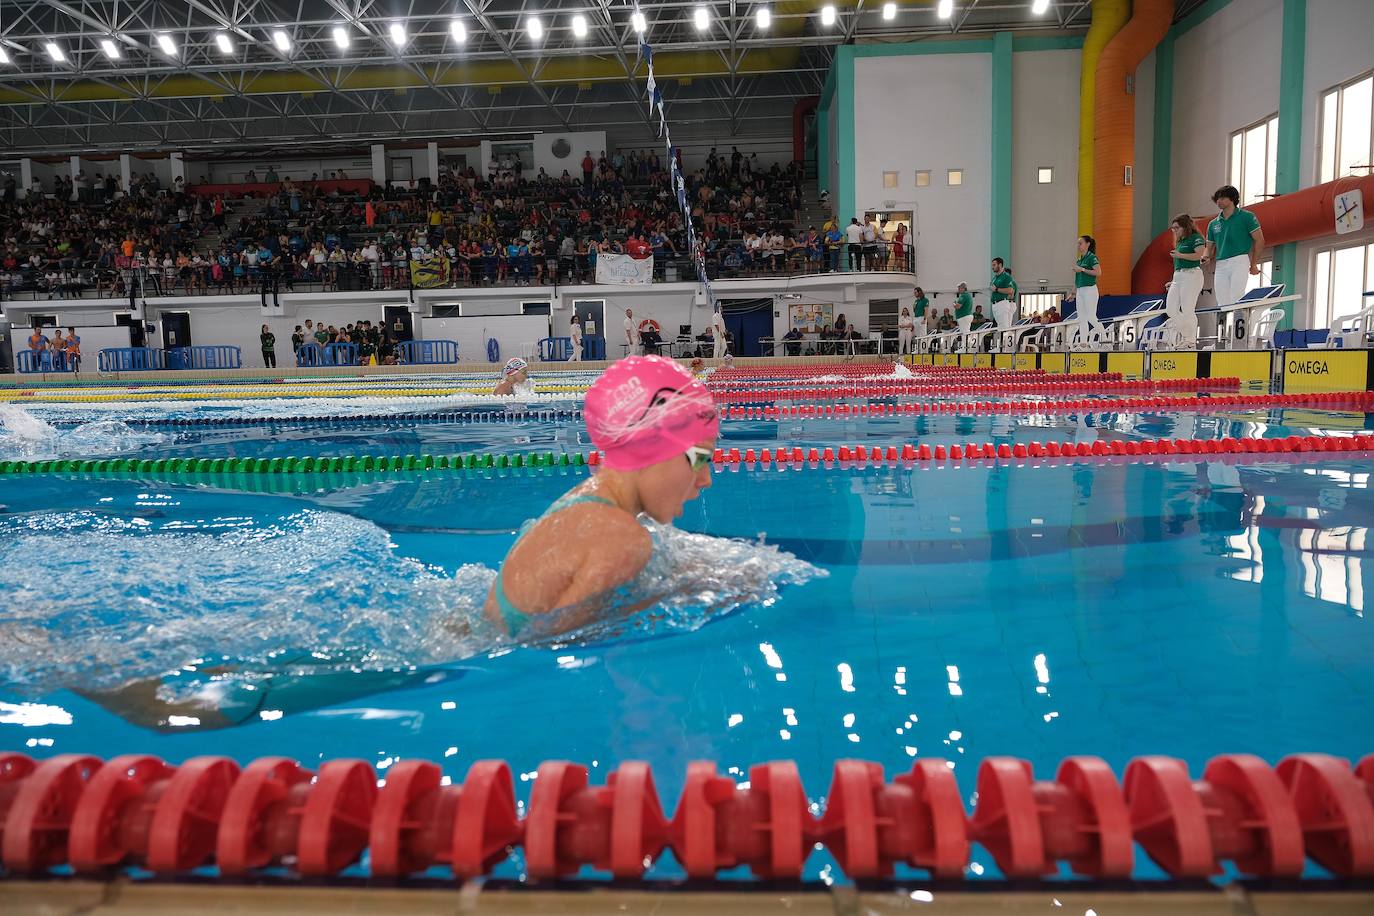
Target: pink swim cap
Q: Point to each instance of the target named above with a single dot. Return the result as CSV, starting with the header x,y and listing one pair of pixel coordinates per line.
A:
x,y
646,409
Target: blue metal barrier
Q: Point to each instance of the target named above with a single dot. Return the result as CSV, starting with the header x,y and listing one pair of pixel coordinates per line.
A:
x,y
310,354
28,361
341,354
429,352
593,347
209,357
130,359
555,349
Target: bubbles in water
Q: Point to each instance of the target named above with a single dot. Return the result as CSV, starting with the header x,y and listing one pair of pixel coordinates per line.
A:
x,y
96,601
22,435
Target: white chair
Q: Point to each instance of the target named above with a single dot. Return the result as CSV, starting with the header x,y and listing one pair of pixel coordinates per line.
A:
x,y
1263,333
1351,331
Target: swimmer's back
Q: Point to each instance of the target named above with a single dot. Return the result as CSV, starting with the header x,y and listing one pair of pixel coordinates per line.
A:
x,y
580,549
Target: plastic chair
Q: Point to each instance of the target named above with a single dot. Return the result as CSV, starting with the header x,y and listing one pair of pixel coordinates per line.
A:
x,y
1351,331
1263,334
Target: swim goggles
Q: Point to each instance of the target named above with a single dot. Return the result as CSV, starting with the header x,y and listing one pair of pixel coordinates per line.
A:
x,y
698,457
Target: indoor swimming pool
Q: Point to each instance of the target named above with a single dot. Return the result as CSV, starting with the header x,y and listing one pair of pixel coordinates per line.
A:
x,y
1186,605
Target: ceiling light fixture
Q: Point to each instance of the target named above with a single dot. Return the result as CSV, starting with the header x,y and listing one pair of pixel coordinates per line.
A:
x,y
55,52
398,35
827,15
535,26
458,31
637,22
945,9
579,25
340,36
281,40
889,12
169,47
110,48
702,18
764,17
1039,6
221,39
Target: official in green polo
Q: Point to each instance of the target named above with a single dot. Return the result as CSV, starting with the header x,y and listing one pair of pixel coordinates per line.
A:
x,y
1003,295
1235,242
963,309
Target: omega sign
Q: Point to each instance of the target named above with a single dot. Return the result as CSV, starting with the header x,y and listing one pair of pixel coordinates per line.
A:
x,y
1298,366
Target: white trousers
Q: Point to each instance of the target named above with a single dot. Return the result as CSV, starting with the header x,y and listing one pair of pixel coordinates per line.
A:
x,y
1181,303
918,327
718,347
1089,328
903,342
964,323
1003,314
1228,282
577,351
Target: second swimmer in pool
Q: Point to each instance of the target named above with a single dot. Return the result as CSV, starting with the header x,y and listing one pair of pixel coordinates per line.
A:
x,y
516,372
656,426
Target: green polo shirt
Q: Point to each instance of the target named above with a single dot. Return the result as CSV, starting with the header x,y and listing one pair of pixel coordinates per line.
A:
x,y
921,305
1190,244
1002,279
1232,236
963,305
1087,262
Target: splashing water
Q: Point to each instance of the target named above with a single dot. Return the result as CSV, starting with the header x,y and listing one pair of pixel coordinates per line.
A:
x,y
22,435
308,593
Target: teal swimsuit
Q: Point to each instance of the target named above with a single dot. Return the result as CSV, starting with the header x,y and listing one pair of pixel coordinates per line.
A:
x,y
514,618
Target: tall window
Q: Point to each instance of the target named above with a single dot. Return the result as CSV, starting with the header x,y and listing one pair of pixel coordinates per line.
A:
x,y
1036,303
1255,160
1347,134
1339,280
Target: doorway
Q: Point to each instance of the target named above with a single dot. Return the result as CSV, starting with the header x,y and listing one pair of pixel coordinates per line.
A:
x,y
176,330
400,324
591,312
137,335
747,320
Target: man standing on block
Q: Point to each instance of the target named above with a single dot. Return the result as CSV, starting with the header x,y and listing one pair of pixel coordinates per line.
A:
x,y
631,334
1234,244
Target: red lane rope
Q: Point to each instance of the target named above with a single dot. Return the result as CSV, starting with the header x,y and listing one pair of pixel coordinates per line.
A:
x,y
137,810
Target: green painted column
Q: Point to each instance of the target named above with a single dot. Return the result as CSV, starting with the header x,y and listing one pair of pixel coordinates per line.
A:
x,y
1164,136
823,146
1287,178
1001,145
845,194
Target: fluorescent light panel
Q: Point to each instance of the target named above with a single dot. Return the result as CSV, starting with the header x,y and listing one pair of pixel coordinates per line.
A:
x,y
169,47
110,48
55,52
458,31
827,15
398,34
225,45
535,26
764,17
579,25
702,18
340,36
637,22
4,56
1039,6
945,9
281,40
889,12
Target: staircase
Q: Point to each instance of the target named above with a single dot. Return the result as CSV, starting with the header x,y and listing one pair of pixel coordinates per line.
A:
x,y
813,213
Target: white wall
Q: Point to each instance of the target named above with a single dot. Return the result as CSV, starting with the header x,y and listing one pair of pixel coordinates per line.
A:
x,y
295,169
1226,77
1044,133
929,111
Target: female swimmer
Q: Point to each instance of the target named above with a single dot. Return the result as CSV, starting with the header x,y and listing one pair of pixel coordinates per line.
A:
x,y
516,372
656,426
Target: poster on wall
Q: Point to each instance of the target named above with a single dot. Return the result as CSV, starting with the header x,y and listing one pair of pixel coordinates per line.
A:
x,y
811,317
625,270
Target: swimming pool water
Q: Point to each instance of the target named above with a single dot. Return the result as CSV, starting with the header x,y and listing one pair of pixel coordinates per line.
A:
x,y
1185,608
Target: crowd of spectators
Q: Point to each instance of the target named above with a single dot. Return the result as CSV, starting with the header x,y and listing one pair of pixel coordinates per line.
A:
x,y
374,343
506,227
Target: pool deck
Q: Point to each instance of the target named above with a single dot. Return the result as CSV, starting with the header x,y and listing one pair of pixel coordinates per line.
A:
x,y
68,898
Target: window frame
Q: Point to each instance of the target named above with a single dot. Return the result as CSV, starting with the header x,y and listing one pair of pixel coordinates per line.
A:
x,y
1323,305
896,178
926,174
950,181
1237,160
1334,150
1040,170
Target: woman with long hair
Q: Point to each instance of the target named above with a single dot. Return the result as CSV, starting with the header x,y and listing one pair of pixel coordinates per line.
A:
x,y
1189,250
1086,270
